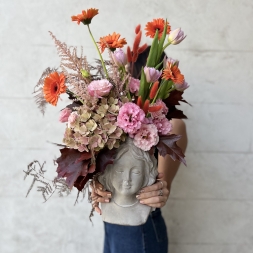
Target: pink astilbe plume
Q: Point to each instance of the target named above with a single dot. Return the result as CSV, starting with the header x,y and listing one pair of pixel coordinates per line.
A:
x,y
72,65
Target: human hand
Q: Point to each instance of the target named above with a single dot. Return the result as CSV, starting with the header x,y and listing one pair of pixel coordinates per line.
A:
x,y
155,195
98,195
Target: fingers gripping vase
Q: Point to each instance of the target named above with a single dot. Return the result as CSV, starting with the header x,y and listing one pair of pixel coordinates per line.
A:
x,y
132,170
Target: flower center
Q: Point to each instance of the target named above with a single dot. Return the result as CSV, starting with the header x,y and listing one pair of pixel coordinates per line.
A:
x,y
55,88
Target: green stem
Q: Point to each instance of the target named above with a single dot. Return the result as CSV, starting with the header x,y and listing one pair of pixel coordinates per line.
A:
x,y
172,88
166,46
101,58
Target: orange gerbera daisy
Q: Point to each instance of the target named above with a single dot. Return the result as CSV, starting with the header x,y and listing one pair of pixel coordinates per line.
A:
x,y
173,72
54,85
86,16
156,24
111,41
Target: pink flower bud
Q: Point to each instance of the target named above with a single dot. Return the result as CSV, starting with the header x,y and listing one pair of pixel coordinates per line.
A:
x,y
134,85
181,87
152,75
64,115
176,36
99,88
119,57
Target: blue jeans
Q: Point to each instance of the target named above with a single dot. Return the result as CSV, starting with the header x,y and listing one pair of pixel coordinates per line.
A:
x,y
150,237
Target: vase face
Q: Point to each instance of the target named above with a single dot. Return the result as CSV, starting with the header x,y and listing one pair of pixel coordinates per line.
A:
x,y
127,176
132,170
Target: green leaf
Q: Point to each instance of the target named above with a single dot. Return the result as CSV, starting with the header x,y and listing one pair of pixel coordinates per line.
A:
x,y
164,90
144,86
161,42
159,65
151,62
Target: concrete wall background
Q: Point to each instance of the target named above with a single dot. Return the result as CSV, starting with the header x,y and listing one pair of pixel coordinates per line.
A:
x,y
211,205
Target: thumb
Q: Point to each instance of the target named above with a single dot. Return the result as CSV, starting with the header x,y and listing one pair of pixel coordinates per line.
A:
x,y
160,175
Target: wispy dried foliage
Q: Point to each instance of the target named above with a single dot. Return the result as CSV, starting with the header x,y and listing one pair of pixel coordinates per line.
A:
x,y
46,187
71,65
69,58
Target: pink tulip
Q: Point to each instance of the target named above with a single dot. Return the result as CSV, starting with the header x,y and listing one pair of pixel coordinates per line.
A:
x,y
152,75
134,85
119,57
64,115
176,36
181,87
99,88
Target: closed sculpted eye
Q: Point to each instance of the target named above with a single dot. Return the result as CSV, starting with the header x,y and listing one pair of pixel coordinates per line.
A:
x,y
136,171
119,170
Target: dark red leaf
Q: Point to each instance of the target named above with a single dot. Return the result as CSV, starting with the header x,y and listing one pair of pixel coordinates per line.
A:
x,y
174,113
167,145
81,181
105,157
72,164
174,98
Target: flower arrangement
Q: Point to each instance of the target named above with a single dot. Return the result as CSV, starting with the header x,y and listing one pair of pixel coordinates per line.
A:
x,y
113,100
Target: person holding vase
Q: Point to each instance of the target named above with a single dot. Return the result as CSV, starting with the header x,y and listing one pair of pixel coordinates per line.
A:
x,y
150,237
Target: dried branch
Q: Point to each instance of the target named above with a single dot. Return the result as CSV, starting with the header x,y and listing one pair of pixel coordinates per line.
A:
x,y
47,187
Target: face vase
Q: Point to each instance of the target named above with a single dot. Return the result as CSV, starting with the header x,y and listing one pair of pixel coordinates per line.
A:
x,y
132,170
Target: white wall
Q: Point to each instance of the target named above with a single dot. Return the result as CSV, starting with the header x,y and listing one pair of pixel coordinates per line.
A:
x,y
211,205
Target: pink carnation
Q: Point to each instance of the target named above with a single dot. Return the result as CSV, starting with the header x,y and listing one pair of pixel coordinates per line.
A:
x,y
130,117
147,121
163,125
99,88
162,112
64,115
146,137
134,85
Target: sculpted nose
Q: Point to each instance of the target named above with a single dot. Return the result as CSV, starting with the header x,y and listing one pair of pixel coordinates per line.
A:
x,y
126,178
126,182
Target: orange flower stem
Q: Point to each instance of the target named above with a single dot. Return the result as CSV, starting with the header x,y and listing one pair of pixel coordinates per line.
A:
x,y
101,58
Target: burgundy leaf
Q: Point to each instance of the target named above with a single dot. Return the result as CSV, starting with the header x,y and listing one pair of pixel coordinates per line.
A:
x,y
174,98
81,181
72,164
105,157
74,104
167,145
175,113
